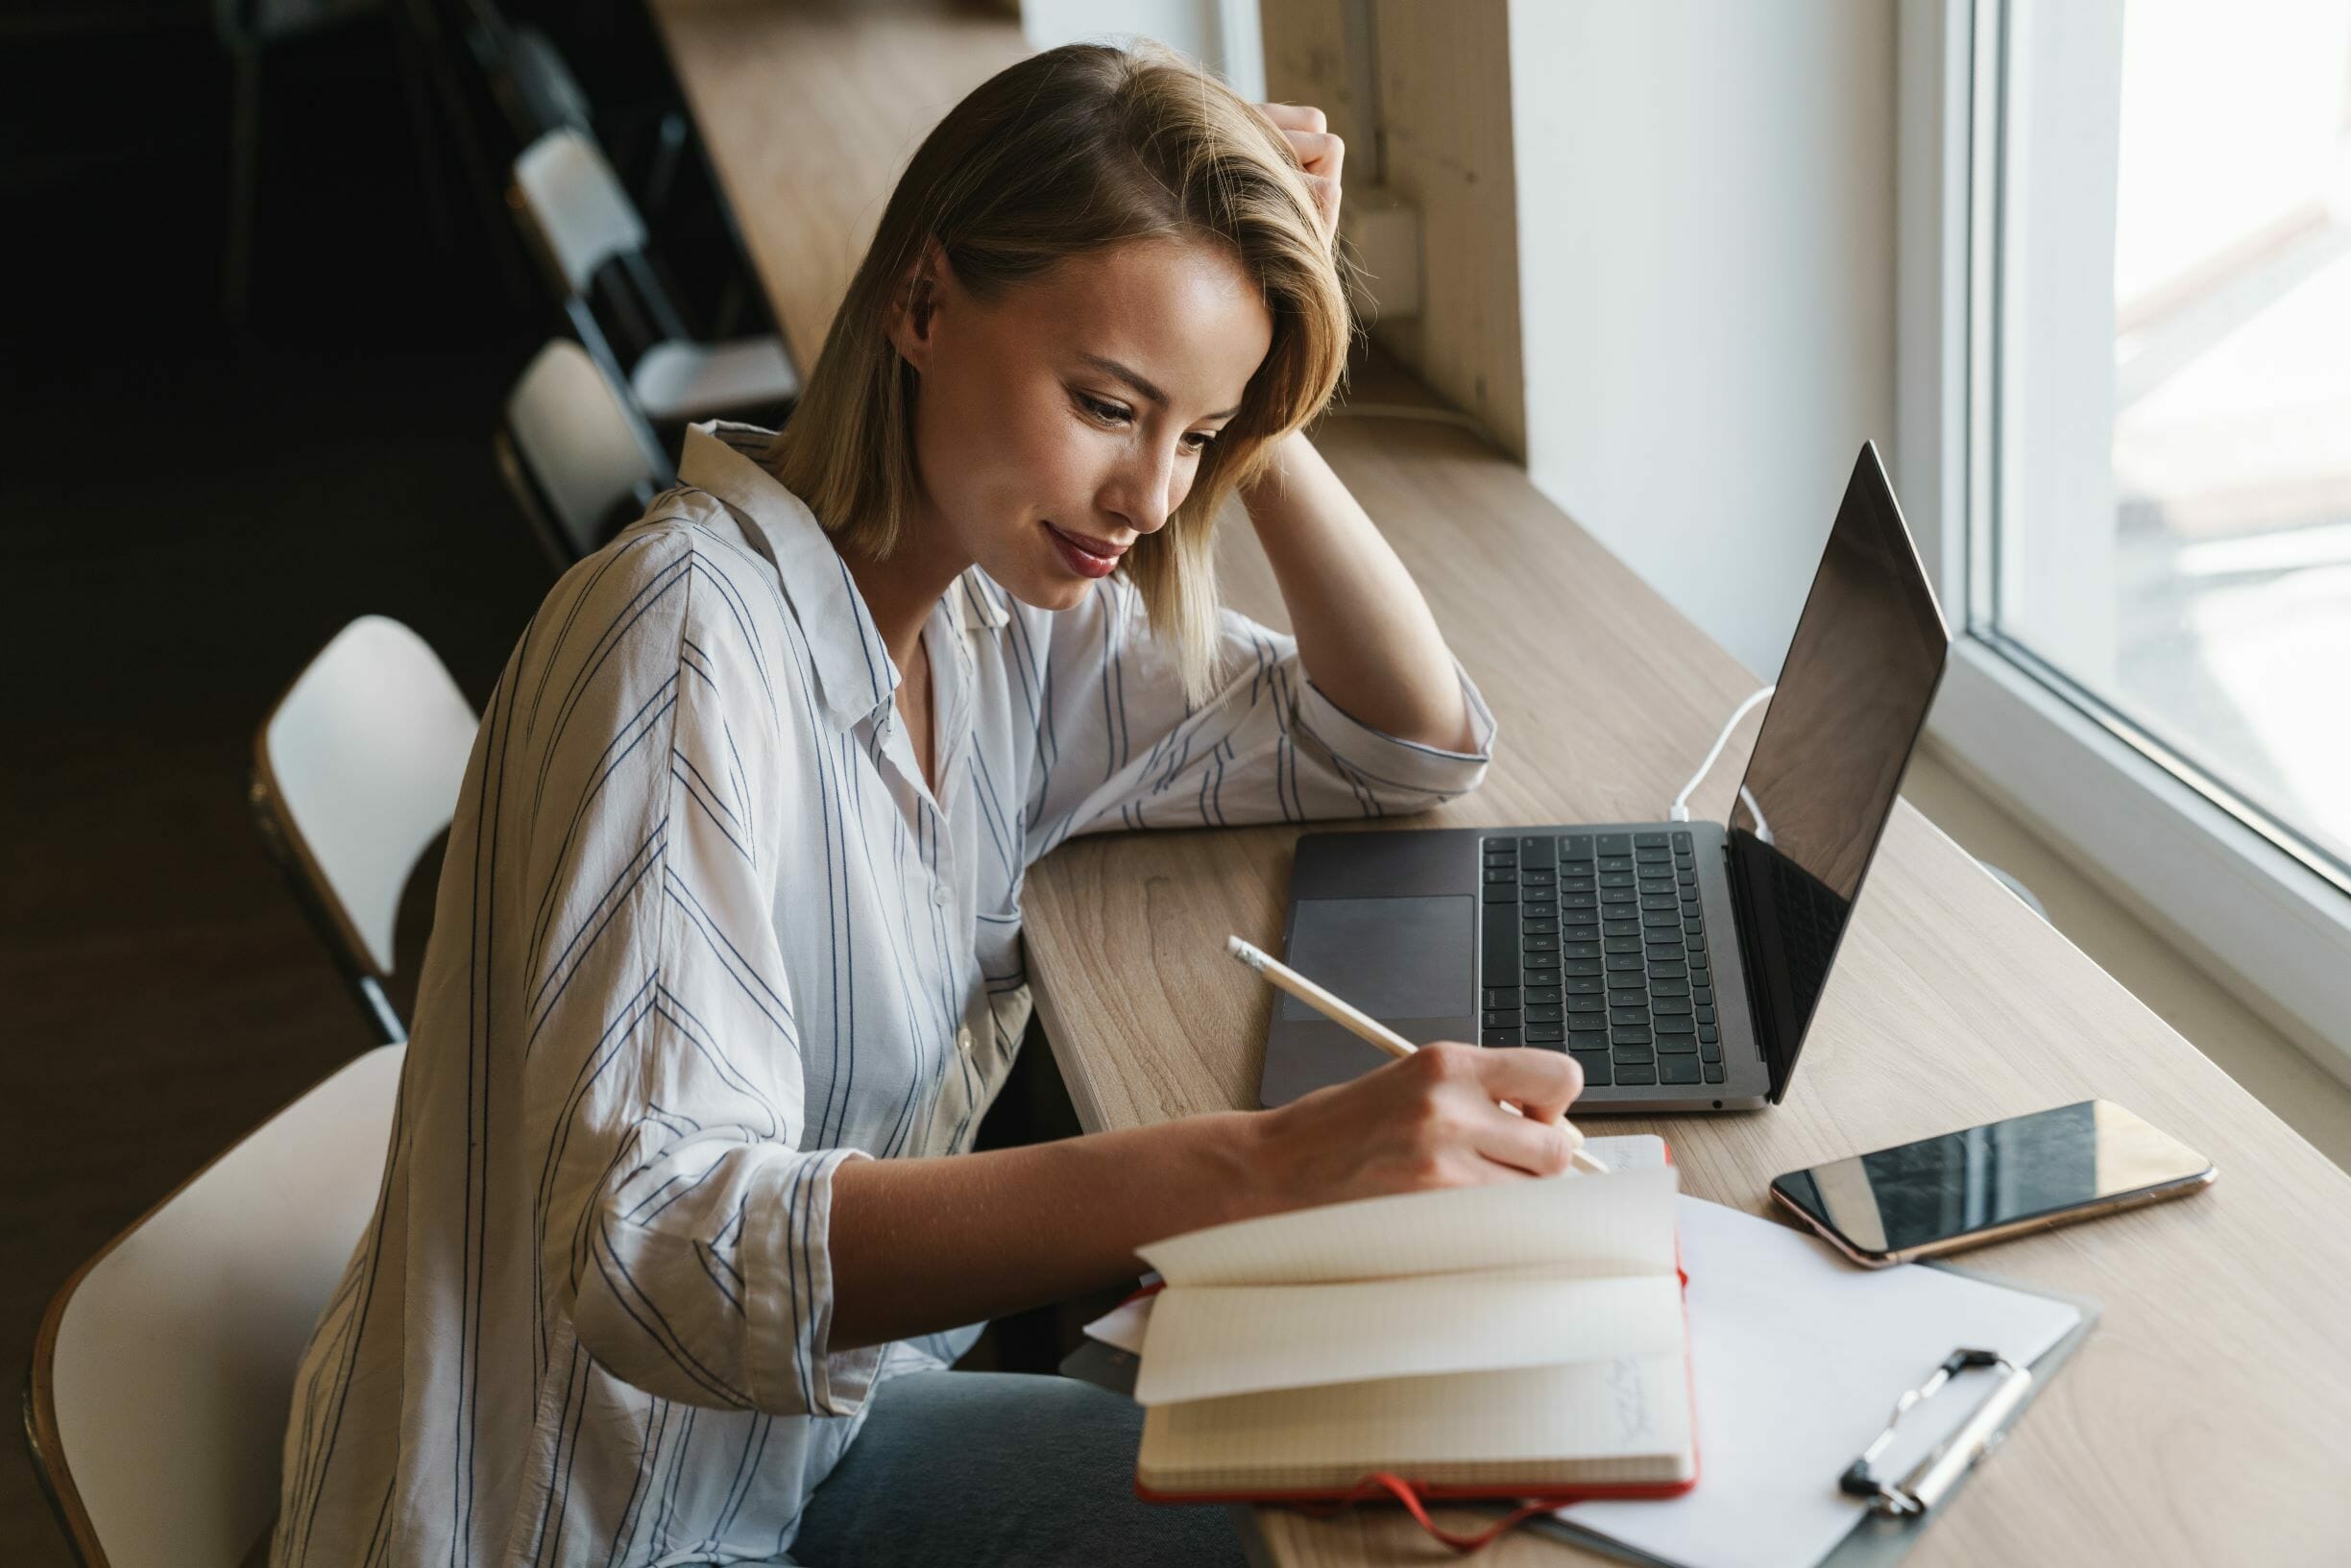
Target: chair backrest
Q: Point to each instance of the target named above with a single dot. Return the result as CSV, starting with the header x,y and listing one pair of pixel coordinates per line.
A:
x,y
576,206
358,769
164,1372
584,450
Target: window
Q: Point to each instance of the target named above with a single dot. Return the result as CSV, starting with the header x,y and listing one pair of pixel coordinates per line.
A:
x,y
2166,538
2124,435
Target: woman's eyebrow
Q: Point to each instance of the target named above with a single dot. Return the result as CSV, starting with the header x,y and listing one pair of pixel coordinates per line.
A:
x,y
1149,392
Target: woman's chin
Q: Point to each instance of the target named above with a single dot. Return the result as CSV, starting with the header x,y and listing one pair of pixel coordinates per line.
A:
x,y
1047,590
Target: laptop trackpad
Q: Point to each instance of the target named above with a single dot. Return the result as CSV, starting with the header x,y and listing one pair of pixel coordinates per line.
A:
x,y
1391,957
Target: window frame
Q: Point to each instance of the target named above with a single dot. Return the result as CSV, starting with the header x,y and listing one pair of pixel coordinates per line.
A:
x,y
2271,924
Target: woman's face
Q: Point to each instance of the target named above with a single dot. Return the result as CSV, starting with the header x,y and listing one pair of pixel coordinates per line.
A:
x,y
1059,424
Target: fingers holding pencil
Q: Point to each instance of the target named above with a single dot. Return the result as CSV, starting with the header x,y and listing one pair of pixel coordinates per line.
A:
x,y
1525,1138
1533,1080
1529,1082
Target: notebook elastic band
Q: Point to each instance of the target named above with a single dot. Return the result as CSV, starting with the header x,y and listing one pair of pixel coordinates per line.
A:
x,y
1382,1484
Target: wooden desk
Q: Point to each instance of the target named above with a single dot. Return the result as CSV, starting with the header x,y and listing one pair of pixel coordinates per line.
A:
x,y
2208,1420
809,109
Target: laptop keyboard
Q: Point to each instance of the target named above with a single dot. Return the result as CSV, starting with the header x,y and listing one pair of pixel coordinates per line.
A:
x,y
1596,944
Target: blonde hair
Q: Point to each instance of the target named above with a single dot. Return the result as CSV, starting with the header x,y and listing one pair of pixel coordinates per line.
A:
x,y
1074,151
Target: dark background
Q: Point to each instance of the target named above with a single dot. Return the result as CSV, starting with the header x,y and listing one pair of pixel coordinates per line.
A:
x,y
187,513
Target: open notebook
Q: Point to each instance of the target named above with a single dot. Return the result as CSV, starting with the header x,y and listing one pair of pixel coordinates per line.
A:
x,y
1521,1339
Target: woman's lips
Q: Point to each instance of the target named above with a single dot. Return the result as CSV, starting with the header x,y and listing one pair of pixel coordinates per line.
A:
x,y
1090,544
1086,557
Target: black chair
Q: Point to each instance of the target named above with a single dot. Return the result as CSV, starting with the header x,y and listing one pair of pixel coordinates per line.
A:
x,y
635,114
247,30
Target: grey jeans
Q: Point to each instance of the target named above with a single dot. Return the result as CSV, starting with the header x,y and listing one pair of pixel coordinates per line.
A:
x,y
973,1468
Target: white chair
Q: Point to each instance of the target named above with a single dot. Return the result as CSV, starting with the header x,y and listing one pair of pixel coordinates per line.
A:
x,y
163,1374
582,222
573,454
356,772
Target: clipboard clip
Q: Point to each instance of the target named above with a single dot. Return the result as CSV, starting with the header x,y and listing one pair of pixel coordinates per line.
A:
x,y
1933,1476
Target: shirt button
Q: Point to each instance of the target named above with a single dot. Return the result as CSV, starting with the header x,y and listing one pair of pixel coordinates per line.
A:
x,y
943,897
963,1042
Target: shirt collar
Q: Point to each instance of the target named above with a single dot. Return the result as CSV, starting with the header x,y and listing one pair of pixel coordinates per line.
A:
x,y
985,606
854,670
854,673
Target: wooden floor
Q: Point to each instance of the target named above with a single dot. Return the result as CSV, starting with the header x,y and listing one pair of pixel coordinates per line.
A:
x,y
164,995
170,572
183,522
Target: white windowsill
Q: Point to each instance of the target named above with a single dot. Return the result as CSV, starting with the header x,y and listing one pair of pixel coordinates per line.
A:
x,y
2261,923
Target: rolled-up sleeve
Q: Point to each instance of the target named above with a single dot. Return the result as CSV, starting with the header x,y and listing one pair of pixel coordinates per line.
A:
x,y
1268,746
680,1223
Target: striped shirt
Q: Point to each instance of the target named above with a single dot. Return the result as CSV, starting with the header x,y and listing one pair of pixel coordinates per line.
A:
x,y
703,934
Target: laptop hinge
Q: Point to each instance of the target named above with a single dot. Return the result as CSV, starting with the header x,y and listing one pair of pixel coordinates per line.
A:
x,y
1759,1014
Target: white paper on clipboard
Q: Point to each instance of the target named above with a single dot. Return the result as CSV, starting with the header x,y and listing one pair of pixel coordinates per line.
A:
x,y
1796,1359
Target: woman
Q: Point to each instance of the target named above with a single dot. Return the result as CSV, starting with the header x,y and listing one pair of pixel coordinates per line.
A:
x,y
679,1222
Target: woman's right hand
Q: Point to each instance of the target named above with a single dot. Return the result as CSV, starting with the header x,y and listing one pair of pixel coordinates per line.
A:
x,y
1434,1119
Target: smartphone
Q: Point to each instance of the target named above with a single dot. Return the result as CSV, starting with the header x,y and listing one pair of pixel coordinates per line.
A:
x,y
1988,1183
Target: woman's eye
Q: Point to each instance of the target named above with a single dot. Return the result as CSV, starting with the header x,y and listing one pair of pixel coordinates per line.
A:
x,y
1113,414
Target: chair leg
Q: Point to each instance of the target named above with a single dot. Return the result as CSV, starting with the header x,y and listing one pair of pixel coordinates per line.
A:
x,y
244,175
485,182
669,146
378,1008
264,804
412,69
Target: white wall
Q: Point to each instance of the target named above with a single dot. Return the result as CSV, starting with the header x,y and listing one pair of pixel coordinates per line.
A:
x,y
1221,34
1705,232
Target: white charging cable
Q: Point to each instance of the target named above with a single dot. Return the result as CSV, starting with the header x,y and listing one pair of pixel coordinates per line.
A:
x,y
1681,804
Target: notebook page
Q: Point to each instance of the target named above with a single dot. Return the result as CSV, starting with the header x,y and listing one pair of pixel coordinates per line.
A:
x,y
1617,1224
1207,1342
1122,1327
1798,1357
1622,1419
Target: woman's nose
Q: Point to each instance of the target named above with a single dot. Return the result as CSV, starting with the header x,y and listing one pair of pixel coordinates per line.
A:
x,y
1145,490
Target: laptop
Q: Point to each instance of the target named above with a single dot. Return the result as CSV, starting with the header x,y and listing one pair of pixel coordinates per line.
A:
x,y
1679,962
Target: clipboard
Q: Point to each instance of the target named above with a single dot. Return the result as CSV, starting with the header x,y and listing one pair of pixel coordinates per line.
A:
x,y
1879,1540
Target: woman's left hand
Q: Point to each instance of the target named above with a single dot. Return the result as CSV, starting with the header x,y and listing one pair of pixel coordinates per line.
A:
x,y
1320,152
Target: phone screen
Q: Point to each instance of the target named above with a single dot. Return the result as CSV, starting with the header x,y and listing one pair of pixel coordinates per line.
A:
x,y
2026,1167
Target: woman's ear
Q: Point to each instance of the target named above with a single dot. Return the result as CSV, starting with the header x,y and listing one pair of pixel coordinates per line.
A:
x,y
914,311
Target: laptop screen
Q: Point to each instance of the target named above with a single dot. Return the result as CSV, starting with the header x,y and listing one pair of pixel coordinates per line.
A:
x,y
1852,698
